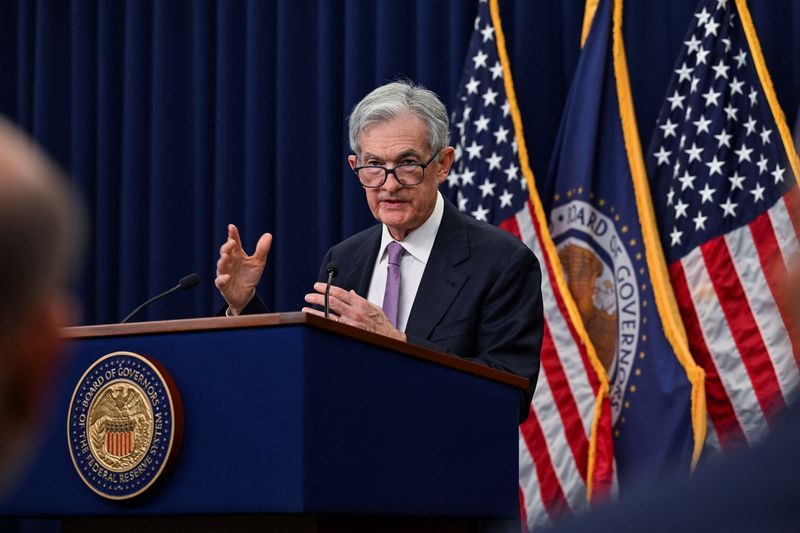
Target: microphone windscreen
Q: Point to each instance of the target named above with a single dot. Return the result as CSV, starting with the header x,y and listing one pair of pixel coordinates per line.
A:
x,y
332,269
189,282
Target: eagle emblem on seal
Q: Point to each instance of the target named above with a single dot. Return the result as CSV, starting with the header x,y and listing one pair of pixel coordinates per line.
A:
x,y
120,425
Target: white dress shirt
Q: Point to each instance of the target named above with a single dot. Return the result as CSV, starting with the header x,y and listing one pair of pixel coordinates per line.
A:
x,y
418,245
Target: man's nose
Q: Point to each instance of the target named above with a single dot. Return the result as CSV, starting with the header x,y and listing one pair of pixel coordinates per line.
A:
x,y
392,183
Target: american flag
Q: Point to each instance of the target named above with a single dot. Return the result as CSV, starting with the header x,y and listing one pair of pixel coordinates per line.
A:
x,y
725,192
492,182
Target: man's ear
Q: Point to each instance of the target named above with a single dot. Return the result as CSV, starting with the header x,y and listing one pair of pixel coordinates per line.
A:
x,y
446,157
352,160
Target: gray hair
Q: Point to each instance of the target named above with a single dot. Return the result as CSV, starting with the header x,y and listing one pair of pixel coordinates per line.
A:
x,y
41,225
392,99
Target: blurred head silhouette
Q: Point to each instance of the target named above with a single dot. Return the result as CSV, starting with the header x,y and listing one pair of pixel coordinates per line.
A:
x,y
41,233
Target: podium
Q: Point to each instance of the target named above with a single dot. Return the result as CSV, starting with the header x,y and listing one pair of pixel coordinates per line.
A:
x,y
296,419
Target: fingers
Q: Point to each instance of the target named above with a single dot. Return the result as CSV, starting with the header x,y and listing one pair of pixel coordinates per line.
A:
x,y
346,304
319,299
226,258
352,310
312,311
233,234
232,245
222,280
339,299
348,297
262,248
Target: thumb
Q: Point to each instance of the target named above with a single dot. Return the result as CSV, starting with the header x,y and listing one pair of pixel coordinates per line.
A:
x,y
262,247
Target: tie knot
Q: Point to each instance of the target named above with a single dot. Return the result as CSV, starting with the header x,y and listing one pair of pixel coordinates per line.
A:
x,y
396,251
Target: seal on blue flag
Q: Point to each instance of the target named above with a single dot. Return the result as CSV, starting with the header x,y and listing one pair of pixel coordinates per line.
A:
x,y
124,425
601,264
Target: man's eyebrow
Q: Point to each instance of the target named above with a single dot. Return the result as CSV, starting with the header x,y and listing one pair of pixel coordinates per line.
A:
x,y
408,153
400,156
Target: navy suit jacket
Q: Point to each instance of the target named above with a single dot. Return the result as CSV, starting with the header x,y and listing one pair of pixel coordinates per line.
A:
x,y
479,297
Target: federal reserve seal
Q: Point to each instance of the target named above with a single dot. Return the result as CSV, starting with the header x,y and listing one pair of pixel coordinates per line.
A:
x,y
601,274
124,425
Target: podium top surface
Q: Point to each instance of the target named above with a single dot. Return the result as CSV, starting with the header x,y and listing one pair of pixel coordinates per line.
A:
x,y
293,319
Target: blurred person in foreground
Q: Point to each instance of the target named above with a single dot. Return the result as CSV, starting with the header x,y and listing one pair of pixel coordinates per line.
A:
x,y
426,274
41,229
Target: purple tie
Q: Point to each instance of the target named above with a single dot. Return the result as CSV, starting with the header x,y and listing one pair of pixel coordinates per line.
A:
x,y
391,297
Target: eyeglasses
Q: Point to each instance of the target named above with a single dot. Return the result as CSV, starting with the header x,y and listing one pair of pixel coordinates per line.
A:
x,y
407,174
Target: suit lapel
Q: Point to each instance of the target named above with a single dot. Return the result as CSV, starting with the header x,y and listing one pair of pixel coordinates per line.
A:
x,y
441,281
360,276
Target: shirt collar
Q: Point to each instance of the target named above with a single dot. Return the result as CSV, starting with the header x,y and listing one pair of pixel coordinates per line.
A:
x,y
419,242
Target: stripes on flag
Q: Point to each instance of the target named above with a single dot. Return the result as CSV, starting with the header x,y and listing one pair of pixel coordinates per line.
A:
x,y
566,398
565,446
730,221
744,349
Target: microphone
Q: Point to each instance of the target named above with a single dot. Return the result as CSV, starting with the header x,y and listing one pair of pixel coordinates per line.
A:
x,y
186,283
332,270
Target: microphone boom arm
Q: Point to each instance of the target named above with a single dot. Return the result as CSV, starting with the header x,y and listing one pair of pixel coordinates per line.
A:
x,y
186,283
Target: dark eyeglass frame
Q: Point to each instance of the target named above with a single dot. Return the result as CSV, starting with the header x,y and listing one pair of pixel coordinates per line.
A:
x,y
392,170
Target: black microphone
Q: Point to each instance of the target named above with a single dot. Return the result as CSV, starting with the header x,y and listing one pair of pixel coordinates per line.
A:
x,y
332,270
186,283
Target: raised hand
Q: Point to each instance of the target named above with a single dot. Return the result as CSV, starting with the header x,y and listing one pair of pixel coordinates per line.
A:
x,y
239,273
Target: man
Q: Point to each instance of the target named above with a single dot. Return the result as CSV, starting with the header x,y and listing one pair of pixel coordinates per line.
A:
x,y
465,287
39,229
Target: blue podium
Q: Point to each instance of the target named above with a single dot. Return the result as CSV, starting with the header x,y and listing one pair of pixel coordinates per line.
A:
x,y
292,414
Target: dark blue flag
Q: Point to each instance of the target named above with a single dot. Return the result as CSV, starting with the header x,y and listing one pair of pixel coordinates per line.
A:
x,y
602,221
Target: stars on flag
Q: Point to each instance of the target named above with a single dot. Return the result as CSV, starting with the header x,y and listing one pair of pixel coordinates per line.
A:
x,y
694,153
715,166
778,174
720,70
487,188
486,181
765,133
724,139
741,59
728,208
713,160
701,56
699,221
480,59
474,149
487,33
663,156
736,86
676,100
702,125
496,70
669,128
684,72
707,194
758,193
712,97
494,161
736,181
